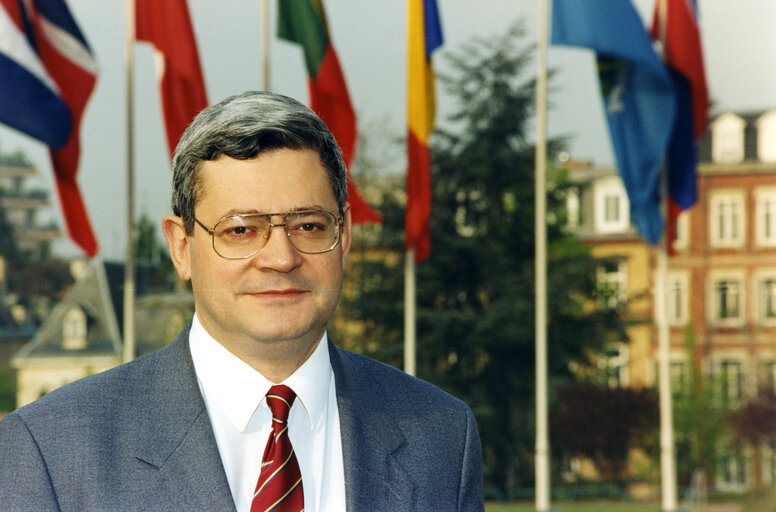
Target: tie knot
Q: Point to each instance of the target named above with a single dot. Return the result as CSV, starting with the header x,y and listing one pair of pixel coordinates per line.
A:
x,y
279,399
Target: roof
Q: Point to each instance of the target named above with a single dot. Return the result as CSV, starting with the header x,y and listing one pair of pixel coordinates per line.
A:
x,y
89,293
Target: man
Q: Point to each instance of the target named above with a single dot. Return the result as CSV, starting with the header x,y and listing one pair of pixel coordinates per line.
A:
x,y
251,407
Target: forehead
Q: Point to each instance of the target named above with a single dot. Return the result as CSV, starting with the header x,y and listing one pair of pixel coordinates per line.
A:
x,y
274,181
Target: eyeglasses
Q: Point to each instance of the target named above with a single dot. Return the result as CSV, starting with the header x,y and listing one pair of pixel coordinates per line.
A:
x,y
241,236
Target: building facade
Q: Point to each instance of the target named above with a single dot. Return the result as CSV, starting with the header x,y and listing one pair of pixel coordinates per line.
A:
x,y
721,283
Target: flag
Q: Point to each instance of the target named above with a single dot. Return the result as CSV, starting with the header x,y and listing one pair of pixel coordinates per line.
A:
x,y
675,25
47,74
304,22
638,96
167,26
424,36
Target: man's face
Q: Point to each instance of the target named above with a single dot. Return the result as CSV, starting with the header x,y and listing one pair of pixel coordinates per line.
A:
x,y
278,294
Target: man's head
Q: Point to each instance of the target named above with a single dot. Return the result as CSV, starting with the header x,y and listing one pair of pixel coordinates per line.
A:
x,y
261,227
242,127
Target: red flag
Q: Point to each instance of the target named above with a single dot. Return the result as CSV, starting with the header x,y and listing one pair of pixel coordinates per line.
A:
x,y
304,22
166,24
47,51
676,27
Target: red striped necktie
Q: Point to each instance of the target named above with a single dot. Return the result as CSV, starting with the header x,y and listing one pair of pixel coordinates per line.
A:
x,y
279,488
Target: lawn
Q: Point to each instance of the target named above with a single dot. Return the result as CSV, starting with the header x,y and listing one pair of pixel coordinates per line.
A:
x,y
576,506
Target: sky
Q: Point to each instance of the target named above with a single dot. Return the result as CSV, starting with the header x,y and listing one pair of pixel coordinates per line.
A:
x,y
369,37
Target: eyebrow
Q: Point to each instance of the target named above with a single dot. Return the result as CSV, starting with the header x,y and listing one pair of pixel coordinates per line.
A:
x,y
253,211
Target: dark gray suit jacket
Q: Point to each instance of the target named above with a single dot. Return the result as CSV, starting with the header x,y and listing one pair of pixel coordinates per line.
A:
x,y
138,438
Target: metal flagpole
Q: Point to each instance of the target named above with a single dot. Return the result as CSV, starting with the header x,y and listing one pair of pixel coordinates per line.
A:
x,y
409,313
542,462
667,455
129,266
265,43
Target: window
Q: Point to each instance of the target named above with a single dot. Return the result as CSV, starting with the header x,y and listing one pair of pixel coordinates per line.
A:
x,y
766,137
731,382
727,219
679,377
727,139
611,206
677,308
727,299
612,283
682,231
613,366
766,297
770,377
765,215
74,329
732,466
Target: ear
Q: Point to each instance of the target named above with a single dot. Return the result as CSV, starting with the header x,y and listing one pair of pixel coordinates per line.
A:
x,y
347,232
177,242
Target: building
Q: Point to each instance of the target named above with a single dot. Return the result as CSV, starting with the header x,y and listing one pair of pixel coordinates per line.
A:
x,y
21,206
721,280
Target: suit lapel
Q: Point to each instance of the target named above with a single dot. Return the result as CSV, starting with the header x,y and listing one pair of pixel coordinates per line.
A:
x,y
371,443
177,437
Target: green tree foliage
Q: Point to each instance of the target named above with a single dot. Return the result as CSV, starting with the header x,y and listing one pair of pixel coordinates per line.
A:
x,y
699,417
475,294
602,423
153,265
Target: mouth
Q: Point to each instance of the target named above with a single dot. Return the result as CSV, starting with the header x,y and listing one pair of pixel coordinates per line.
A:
x,y
277,294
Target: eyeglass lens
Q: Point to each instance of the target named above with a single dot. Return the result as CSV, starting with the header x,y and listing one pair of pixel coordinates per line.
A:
x,y
240,236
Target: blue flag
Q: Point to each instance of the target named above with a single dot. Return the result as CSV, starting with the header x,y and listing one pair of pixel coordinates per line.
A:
x,y
638,96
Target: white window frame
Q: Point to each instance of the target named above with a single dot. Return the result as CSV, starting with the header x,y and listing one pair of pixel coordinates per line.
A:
x,y
677,298
727,224
734,391
605,191
74,329
765,216
766,137
733,462
766,297
613,364
682,240
727,139
616,280
714,300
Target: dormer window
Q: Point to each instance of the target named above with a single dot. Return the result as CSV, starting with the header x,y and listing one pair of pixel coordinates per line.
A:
x,y
74,329
766,137
611,206
727,139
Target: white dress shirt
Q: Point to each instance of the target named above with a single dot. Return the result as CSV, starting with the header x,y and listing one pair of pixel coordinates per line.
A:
x,y
234,395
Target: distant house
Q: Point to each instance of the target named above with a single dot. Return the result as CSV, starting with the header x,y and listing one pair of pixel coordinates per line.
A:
x,y
82,336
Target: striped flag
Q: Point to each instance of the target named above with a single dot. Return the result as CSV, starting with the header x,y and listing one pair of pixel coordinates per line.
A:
x,y
166,24
675,24
304,22
424,32
47,74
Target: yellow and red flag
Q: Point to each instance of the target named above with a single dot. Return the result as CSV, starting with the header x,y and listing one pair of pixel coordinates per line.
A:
x,y
424,35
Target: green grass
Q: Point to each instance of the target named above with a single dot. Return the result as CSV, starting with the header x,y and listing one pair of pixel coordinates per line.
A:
x,y
576,506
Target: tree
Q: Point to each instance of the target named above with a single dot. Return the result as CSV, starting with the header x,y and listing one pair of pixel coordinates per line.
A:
x,y
602,423
475,294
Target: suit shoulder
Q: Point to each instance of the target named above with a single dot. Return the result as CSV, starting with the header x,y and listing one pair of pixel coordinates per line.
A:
x,y
394,386
111,389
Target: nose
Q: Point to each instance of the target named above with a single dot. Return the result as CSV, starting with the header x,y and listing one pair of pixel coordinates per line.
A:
x,y
277,254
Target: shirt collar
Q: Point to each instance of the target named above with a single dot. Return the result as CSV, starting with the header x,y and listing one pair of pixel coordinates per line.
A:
x,y
238,390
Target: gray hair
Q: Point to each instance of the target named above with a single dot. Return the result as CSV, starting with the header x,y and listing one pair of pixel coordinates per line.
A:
x,y
243,126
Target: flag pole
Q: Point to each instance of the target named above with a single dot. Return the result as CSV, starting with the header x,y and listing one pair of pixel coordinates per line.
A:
x,y
542,461
129,266
410,350
667,453
265,43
